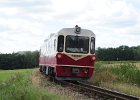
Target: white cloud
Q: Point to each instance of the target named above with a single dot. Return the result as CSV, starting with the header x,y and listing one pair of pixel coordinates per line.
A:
x,y
24,24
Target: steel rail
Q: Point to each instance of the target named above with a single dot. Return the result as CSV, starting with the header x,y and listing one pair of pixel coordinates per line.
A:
x,y
109,93
98,92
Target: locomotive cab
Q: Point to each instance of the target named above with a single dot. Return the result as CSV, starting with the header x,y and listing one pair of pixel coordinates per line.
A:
x,y
76,55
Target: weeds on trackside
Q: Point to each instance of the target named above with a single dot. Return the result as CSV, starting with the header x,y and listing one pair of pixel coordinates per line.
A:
x,y
19,87
119,76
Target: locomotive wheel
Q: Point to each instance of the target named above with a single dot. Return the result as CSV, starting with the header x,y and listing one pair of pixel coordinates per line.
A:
x,y
40,68
51,71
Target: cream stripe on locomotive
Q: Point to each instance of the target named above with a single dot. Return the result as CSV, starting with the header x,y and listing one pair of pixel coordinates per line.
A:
x,y
53,65
76,56
75,66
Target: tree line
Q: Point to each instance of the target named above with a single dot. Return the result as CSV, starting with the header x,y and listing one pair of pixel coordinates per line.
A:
x,y
121,53
19,60
28,59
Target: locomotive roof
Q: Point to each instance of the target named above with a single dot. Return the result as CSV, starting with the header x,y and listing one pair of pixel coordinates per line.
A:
x,y
71,31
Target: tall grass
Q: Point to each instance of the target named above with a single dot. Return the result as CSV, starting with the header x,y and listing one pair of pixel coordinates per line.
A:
x,y
6,74
19,87
102,74
123,72
123,77
127,73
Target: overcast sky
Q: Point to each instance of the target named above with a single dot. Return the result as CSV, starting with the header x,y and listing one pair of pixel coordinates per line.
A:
x,y
24,24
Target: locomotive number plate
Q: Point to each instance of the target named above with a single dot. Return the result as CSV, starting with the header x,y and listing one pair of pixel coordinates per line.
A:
x,y
75,70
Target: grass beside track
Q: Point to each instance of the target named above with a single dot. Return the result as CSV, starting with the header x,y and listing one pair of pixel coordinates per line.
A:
x,y
121,76
6,74
17,85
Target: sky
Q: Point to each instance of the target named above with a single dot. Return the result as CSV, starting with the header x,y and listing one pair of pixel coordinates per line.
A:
x,y
25,24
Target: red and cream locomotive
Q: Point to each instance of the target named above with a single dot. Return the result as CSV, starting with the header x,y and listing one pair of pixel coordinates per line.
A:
x,y
69,54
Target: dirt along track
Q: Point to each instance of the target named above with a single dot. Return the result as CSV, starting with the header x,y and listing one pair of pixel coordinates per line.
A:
x,y
42,81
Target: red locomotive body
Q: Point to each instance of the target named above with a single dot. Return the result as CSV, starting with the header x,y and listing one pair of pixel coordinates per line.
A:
x,y
69,54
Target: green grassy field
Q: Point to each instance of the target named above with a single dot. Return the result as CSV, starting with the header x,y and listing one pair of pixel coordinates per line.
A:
x,y
18,85
6,74
122,76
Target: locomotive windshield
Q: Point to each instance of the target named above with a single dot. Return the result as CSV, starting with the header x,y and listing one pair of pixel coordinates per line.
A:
x,y
77,44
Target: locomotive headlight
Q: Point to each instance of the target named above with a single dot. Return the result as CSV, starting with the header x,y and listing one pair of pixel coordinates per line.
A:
x,y
59,56
93,58
85,71
77,29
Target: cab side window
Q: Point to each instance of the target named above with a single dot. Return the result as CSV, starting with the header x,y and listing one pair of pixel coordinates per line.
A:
x,y
92,45
60,46
54,44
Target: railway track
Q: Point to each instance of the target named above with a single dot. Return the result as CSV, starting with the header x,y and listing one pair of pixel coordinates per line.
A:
x,y
97,93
